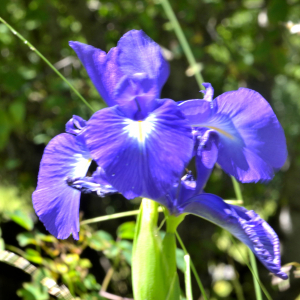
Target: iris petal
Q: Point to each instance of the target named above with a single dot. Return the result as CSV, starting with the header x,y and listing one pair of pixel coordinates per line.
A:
x,y
206,157
246,225
56,203
140,57
101,68
140,157
134,67
252,143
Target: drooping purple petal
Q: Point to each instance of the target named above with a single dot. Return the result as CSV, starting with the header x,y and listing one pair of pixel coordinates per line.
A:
x,y
245,225
252,143
55,202
134,67
140,157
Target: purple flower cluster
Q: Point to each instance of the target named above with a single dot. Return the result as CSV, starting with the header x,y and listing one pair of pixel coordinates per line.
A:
x,y
142,144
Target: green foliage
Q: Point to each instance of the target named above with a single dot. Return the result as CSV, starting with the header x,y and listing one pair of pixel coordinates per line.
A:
x,y
238,43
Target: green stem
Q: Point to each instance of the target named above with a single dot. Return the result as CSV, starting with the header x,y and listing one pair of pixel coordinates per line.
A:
x,y
237,189
236,284
183,41
110,217
187,278
256,278
192,267
31,47
255,274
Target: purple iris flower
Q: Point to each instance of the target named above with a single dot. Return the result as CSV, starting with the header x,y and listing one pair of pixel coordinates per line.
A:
x,y
142,142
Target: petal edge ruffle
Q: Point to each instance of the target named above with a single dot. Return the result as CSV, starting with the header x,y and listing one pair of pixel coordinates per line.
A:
x,y
246,225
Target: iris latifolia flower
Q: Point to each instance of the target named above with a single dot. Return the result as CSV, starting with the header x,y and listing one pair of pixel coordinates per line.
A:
x,y
141,143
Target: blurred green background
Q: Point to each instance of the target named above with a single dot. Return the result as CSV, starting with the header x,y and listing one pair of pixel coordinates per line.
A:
x,y
249,43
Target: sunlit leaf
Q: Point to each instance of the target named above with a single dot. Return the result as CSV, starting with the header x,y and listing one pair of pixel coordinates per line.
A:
x,y
126,230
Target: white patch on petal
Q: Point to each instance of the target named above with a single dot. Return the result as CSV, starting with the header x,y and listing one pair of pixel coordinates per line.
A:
x,y
139,130
80,167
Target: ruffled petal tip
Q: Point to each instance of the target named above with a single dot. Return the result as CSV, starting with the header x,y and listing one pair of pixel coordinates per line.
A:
x,y
245,225
75,125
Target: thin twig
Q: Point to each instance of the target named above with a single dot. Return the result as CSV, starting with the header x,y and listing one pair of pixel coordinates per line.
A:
x,y
192,267
107,279
112,296
32,48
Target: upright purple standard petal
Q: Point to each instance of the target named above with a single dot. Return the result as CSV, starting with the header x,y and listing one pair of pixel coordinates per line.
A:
x,y
103,70
55,202
134,67
252,143
141,57
140,156
246,225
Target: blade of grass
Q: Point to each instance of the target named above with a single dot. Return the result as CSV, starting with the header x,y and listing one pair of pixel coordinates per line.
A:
x,y
236,284
192,267
187,278
256,279
254,271
31,47
183,41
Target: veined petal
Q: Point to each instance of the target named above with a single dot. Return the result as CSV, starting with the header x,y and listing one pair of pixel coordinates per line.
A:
x,y
134,67
141,57
97,65
55,202
252,143
245,225
143,157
